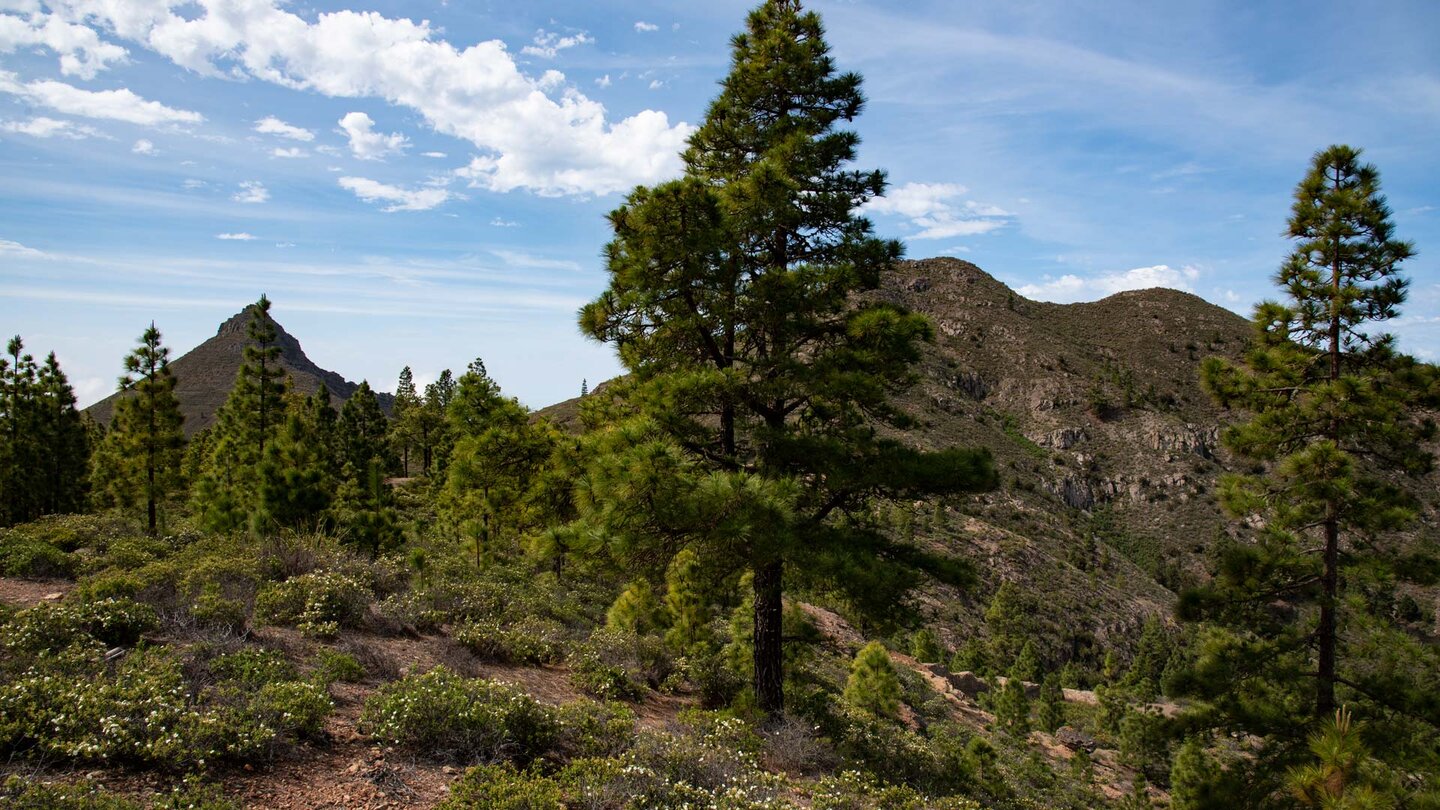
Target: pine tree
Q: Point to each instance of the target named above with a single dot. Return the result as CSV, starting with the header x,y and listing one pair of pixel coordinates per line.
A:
x,y
146,441
46,448
731,301
65,458
252,415
297,481
1027,664
873,685
1334,428
1344,775
687,605
925,646
362,432
19,495
635,610
1051,712
1012,707
402,432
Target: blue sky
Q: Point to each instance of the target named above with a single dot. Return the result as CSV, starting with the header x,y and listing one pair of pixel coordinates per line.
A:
x,y
424,183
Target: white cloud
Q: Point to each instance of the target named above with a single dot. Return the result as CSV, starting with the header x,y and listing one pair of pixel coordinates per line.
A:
x,y
934,208
270,125
548,43
645,27
82,52
115,105
365,142
289,152
235,237
499,222
42,127
1070,288
192,184
526,261
533,133
143,147
252,191
603,81
14,249
656,84
400,199
433,154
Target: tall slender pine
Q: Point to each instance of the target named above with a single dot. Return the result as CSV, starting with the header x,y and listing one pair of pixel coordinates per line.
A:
x,y
731,300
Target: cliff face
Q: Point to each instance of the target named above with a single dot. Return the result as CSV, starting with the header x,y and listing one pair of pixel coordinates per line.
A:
x,y
205,374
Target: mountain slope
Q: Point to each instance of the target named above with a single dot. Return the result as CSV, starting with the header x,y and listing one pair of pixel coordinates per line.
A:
x,y
204,375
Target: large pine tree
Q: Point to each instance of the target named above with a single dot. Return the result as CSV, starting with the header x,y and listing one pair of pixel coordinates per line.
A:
x,y
146,443
1334,425
46,447
250,418
732,302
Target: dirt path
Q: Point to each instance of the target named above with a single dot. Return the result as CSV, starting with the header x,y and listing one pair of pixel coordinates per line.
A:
x,y
27,592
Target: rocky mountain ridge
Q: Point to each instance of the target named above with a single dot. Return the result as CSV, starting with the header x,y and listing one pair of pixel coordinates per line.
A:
x,y
205,374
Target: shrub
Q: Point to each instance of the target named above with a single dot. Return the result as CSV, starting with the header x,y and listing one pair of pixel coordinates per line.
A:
x,y
334,665
443,715
852,790
294,707
588,729
254,668
873,685
592,675
317,604
19,793
530,641
215,611
502,787
28,558
52,627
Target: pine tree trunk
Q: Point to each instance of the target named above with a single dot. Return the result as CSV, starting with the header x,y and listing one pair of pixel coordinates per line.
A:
x,y
769,660
1330,578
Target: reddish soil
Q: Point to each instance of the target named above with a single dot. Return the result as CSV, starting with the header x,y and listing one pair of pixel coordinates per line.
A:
x,y
26,592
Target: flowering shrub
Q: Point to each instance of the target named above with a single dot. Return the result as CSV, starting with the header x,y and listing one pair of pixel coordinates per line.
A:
x,y
333,665
22,556
318,604
502,787
53,627
613,665
253,668
529,641
852,790
589,729
71,706
443,715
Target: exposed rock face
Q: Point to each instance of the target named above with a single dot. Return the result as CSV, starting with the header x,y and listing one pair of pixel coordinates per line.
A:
x,y
204,375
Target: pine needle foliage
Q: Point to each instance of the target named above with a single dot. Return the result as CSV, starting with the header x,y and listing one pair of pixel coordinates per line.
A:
x,y
732,301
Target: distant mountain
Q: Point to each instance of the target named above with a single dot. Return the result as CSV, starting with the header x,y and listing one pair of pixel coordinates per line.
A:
x,y
204,375
1108,448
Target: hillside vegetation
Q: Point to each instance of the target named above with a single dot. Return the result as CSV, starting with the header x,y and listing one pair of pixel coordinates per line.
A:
x,y
851,532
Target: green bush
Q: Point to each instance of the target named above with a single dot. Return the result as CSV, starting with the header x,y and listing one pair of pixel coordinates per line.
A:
x,y
618,666
529,641
254,668
213,610
73,706
52,627
318,604
28,558
333,665
851,790
445,716
502,787
588,729
19,793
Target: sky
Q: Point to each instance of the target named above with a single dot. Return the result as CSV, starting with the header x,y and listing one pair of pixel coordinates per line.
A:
x,y
423,183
